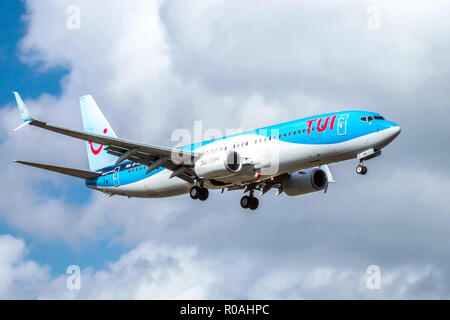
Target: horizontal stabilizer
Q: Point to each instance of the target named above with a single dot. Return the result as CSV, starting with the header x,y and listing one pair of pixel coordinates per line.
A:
x,y
83,174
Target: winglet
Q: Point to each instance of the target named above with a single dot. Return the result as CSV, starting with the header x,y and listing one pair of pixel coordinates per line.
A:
x,y
24,113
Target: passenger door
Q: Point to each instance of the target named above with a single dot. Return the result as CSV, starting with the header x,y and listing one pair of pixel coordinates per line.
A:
x,y
342,124
116,176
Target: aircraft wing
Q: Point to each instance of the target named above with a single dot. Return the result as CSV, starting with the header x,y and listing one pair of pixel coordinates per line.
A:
x,y
83,174
176,160
114,144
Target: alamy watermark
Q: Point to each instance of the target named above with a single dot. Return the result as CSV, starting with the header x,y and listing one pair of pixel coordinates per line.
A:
x,y
265,142
373,281
373,21
73,281
73,21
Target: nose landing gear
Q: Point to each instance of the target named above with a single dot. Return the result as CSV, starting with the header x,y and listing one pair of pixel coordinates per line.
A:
x,y
363,156
361,169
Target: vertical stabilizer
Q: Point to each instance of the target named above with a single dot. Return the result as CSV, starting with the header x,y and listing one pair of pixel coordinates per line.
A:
x,y
95,122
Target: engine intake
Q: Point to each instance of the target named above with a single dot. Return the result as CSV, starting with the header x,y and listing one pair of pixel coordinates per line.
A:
x,y
307,181
218,165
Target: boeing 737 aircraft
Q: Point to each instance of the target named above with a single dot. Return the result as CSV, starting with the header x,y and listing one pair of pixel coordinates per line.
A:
x,y
291,157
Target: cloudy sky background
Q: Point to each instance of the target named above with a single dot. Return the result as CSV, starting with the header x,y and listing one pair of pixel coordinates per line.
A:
x,y
155,66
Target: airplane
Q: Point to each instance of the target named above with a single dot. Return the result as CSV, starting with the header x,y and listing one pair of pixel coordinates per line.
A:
x,y
291,157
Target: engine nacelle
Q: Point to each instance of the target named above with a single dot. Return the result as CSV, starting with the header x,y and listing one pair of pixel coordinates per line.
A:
x,y
218,165
310,180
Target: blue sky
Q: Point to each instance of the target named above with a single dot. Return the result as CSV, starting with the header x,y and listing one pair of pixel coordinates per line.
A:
x,y
31,81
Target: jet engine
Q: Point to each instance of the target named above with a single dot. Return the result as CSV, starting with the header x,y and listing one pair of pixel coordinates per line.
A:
x,y
305,181
218,165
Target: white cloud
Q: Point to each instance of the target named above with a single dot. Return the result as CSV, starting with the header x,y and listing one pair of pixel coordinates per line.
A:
x,y
19,277
146,272
153,271
154,66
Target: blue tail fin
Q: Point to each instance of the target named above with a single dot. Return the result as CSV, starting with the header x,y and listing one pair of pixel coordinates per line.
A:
x,y
95,122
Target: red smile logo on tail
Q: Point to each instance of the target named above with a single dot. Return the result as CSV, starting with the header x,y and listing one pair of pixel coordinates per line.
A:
x,y
97,151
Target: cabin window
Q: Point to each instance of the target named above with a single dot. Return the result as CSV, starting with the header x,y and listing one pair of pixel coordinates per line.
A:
x,y
289,133
284,135
246,143
294,133
303,130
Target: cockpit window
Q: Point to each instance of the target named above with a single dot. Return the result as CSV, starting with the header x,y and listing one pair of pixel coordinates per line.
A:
x,y
371,118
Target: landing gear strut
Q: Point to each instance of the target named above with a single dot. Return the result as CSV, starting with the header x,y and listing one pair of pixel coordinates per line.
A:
x,y
250,202
200,193
361,169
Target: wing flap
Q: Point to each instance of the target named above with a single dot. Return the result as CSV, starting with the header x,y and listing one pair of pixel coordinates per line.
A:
x,y
83,174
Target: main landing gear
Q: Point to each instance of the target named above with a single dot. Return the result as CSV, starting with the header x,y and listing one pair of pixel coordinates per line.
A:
x,y
200,193
361,169
250,202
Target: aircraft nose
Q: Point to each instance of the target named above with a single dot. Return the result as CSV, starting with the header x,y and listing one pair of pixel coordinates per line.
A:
x,y
395,130
392,130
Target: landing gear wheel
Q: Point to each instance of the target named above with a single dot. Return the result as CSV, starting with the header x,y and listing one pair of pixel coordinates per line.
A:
x,y
360,169
204,193
195,192
245,202
249,202
254,203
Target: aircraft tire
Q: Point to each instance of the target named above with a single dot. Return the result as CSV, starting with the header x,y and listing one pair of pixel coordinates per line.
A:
x,y
254,203
195,192
245,202
204,194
